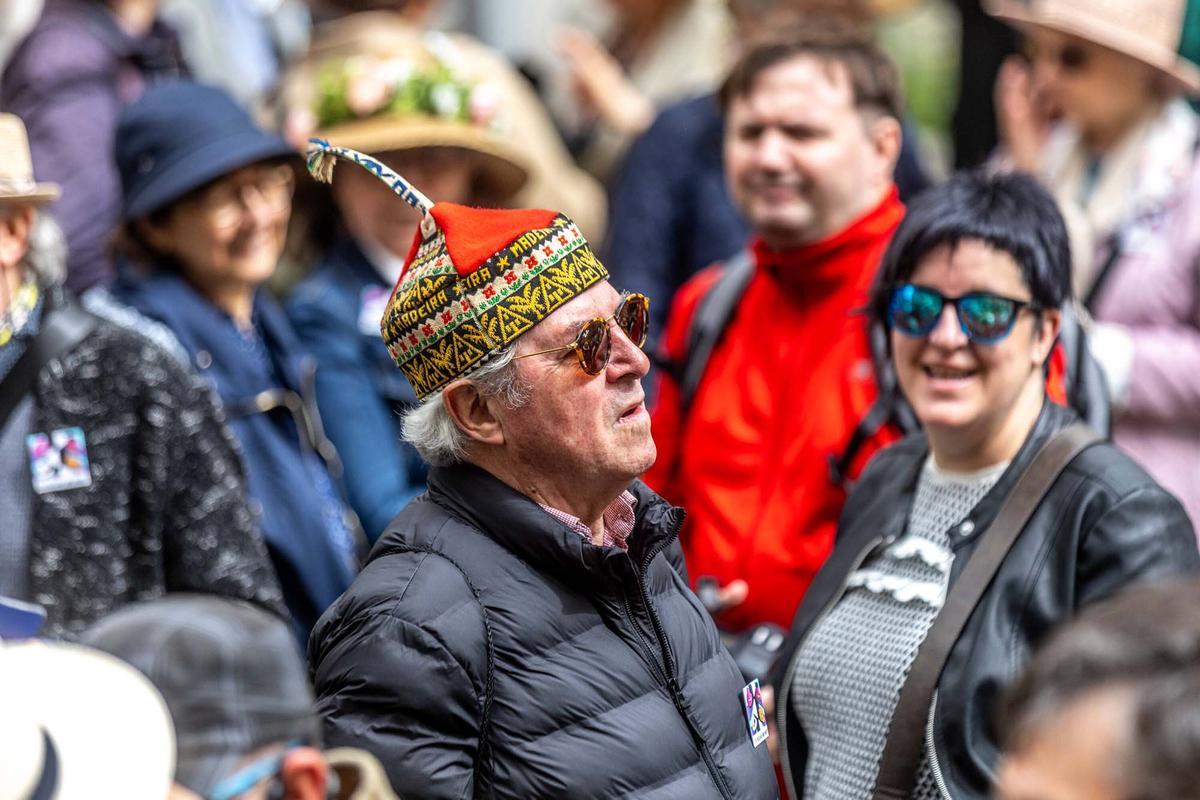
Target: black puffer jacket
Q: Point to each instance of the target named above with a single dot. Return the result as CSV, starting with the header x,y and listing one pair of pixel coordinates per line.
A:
x,y
486,650
1103,525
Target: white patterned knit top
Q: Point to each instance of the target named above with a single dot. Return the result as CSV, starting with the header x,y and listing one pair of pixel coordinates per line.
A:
x,y
854,661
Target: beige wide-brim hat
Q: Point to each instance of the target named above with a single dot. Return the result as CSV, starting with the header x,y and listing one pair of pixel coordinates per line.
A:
x,y
384,36
17,184
503,169
1151,31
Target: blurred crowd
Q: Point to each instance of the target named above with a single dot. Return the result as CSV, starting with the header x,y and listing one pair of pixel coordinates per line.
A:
x,y
877,264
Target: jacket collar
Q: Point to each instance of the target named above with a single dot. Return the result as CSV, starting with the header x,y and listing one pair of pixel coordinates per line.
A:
x,y
201,326
515,522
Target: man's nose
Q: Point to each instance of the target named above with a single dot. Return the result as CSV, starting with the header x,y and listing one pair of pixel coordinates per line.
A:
x,y
770,151
948,333
626,357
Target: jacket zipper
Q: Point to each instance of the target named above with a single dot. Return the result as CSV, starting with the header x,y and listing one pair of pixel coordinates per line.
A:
x,y
669,661
781,702
934,767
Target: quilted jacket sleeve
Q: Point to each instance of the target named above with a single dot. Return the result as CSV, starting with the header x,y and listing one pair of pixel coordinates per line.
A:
x,y
395,673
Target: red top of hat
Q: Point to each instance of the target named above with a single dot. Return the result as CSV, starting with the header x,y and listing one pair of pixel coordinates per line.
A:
x,y
473,235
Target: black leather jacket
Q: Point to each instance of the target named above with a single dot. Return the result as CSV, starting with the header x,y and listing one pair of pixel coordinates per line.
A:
x,y
1104,524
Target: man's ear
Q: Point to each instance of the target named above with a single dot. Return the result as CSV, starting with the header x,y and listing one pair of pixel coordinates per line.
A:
x,y
14,235
472,413
886,136
1049,323
304,774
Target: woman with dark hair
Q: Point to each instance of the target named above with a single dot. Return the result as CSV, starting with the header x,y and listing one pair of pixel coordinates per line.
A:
x,y
207,197
971,290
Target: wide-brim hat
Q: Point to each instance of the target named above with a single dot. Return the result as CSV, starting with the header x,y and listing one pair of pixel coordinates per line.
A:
x,y
77,723
1163,34
398,58
17,184
179,136
502,167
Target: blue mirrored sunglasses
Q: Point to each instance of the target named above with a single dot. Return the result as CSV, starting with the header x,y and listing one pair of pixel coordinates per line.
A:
x,y
984,317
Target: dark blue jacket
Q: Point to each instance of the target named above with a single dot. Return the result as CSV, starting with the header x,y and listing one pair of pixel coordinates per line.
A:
x,y
360,390
303,521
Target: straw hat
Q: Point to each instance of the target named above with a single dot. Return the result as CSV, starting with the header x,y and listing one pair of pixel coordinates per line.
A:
x,y
1164,34
17,184
402,91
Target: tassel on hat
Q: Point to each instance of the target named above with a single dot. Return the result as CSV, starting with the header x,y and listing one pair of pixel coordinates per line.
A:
x,y
475,279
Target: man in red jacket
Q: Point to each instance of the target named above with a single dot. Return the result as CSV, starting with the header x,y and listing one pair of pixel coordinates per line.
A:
x,y
812,133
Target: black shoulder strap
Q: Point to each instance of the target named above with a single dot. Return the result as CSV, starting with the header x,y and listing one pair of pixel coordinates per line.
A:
x,y
905,742
889,406
1087,387
709,321
64,325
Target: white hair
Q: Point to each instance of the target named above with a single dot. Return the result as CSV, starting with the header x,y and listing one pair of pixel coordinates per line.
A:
x,y
429,428
46,253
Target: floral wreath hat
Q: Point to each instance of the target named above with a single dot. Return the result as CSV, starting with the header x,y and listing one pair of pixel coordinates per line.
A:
x,y
475,279
414,99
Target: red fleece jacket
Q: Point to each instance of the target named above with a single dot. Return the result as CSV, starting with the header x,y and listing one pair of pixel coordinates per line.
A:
x,y
783,391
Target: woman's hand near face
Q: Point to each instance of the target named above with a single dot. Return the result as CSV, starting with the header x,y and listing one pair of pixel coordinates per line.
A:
x,y
601,85
1020,116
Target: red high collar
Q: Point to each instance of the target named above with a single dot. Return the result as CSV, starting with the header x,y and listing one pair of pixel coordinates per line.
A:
x,y
838,261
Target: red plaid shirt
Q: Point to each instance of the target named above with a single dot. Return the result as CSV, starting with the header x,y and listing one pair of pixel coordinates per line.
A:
x,y
618,521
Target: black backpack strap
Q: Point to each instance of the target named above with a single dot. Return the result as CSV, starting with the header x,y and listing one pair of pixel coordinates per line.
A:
x,y
1087,388
708,324
64,325
889,407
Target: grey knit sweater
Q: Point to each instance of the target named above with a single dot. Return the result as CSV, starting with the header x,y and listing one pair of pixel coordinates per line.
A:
x,y
854,662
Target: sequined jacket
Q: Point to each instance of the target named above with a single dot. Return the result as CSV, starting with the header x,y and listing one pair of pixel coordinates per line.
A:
x,y
165,510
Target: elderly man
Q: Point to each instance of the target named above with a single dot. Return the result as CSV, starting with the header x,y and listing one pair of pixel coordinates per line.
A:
x,y
759,410
524,628
118,479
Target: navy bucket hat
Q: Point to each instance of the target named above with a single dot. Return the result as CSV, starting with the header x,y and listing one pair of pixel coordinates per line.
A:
x,y
180,135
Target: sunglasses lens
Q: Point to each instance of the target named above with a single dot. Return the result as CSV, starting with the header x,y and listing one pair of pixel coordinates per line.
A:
x,y
594,347
986,317
633,317
914,311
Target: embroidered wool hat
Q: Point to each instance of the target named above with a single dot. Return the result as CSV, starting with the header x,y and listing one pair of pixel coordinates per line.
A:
x,y
475,279
1165,34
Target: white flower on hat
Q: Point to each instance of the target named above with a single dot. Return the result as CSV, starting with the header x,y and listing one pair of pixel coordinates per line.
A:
x,y
483,104
366,93
446,99
395,71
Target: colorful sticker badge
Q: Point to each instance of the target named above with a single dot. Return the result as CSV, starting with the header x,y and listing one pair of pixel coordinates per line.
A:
x,y
58,461
372,302
756,712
